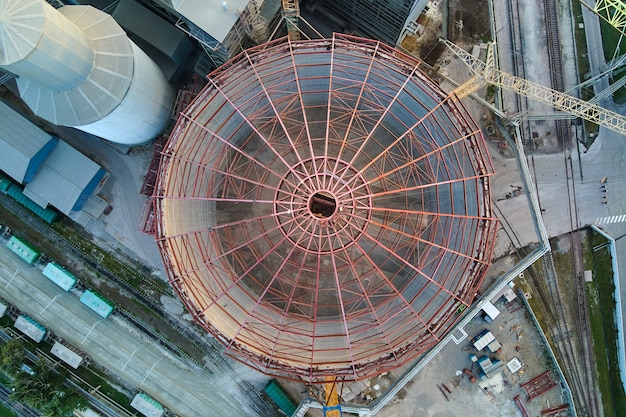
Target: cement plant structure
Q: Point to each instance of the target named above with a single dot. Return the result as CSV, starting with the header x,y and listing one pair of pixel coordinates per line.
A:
x,y
76,67
323,208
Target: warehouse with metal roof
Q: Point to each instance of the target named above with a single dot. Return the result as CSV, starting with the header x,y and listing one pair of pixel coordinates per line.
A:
x,y
24,146
66,180
53,172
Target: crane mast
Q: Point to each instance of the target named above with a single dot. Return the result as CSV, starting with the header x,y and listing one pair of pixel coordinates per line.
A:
x,y
612,11
332,408
291,14
487,73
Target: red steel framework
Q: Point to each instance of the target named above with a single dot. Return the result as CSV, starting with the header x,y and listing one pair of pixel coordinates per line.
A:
x,y
323,208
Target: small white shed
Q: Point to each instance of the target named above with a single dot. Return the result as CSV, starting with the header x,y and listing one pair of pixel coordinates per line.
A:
x,y
490,310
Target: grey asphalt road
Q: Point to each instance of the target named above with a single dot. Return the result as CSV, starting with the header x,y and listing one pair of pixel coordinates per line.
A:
x,y
185,390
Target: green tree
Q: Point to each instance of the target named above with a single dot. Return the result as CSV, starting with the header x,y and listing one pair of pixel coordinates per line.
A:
x,y
12,356
45,390
64,402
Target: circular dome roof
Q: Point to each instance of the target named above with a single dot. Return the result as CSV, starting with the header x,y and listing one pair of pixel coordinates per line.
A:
x,y
323,208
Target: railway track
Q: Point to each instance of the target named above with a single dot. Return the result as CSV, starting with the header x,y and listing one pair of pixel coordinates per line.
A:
x,y
583,377
517,55
556,63
570,336
257,401
587,374
18,408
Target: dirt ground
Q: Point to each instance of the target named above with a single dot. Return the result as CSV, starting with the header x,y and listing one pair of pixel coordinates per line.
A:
x,y
464,23
442,388
459,23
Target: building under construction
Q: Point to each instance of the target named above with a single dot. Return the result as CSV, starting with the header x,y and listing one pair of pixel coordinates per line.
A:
x,y
323,208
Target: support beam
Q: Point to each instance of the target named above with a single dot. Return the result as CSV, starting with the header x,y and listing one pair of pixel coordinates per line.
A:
x,y
612,11
558,100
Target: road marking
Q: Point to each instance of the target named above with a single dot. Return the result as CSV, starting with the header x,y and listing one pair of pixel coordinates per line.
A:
x,y
618,218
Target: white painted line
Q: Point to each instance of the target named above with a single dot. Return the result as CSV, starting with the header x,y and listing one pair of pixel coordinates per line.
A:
x,y
618,218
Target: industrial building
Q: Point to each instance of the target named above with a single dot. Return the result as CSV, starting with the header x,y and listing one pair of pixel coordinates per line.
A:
x,y
66,180
52,172
76,67
386,20
169,47
222,29
24,146
225,28
323,208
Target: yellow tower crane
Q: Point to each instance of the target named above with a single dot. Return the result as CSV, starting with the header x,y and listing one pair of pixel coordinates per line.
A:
x,y
613,11
291,14
486,73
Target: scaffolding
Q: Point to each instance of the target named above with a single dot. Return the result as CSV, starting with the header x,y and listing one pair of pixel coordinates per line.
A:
x,y
250,28
323,208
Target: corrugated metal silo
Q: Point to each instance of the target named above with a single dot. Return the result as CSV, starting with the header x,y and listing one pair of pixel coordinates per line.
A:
x,y
77,68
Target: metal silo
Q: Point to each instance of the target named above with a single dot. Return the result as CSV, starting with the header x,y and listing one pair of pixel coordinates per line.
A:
x,y
76,67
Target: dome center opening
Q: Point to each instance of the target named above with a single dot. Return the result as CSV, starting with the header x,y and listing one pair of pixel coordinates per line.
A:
x,y
322,204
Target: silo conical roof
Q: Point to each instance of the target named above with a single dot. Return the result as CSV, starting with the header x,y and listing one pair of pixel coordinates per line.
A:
x,y
21,26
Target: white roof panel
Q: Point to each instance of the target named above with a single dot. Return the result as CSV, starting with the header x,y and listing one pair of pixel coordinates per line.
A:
x,y
514,365
215,17
484,341
491,310
494,346
66,355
